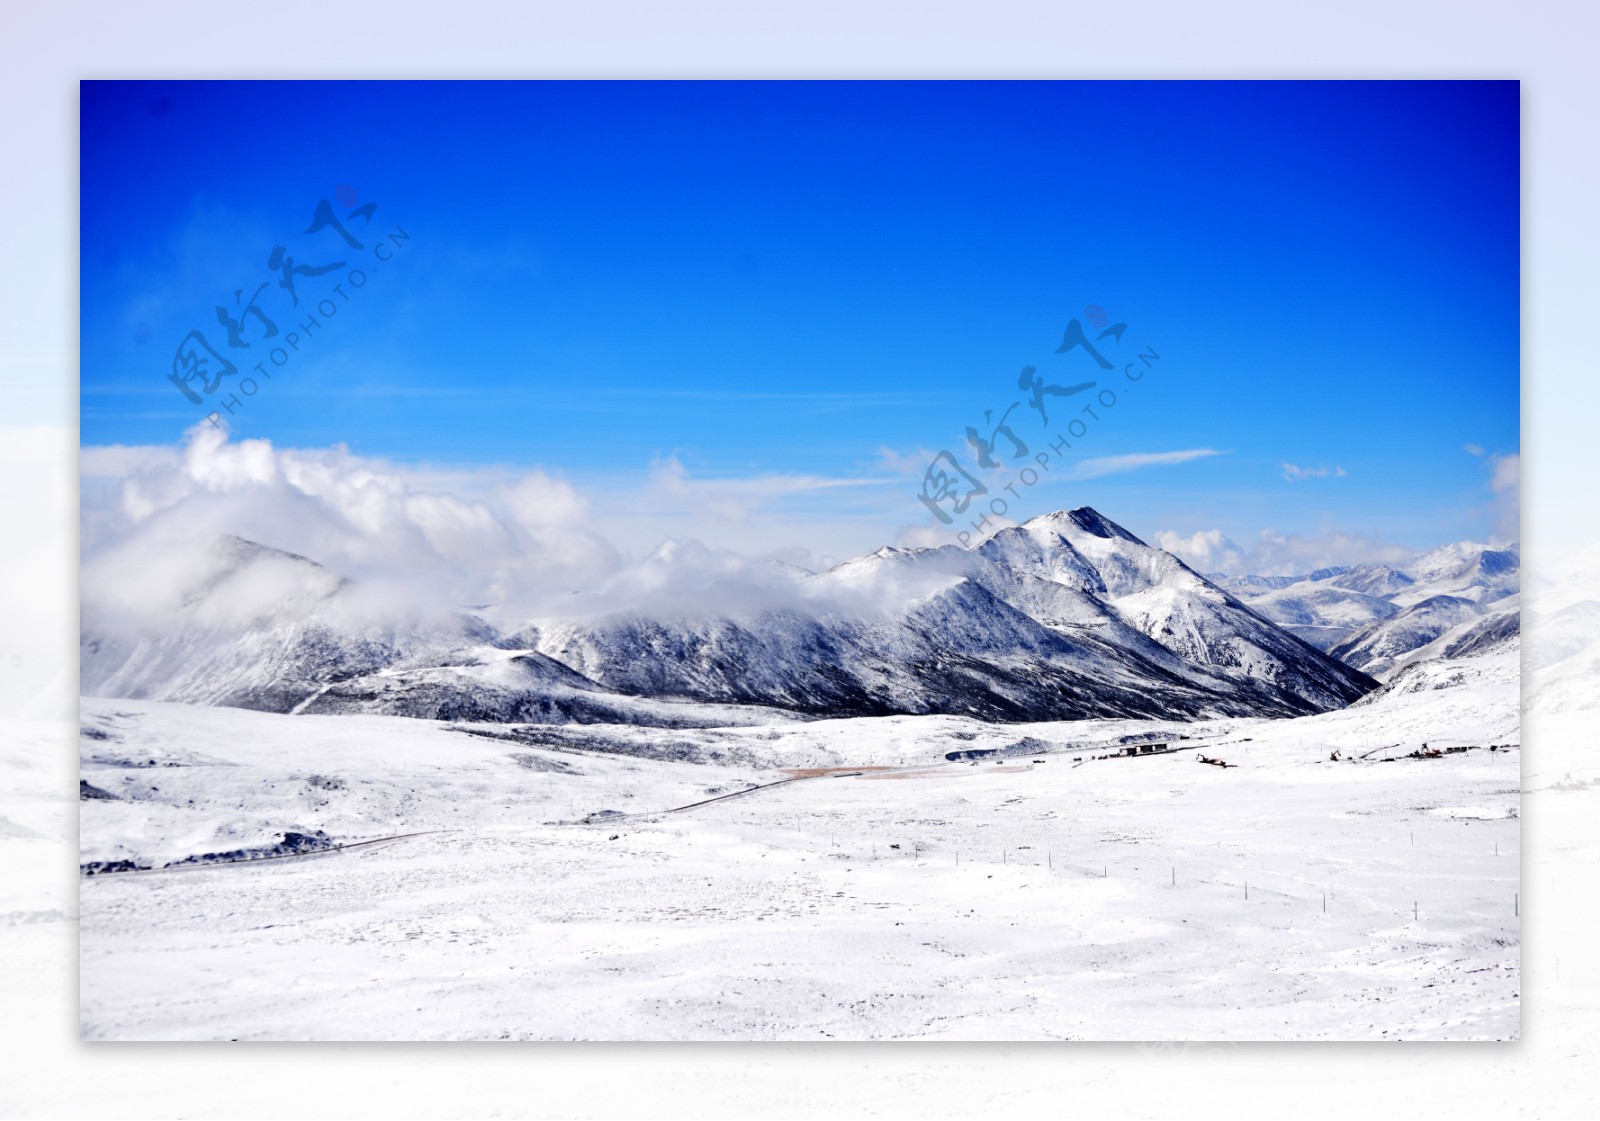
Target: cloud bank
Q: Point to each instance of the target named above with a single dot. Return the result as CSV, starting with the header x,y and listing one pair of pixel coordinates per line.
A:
x,y
529,543
450,537
1279,554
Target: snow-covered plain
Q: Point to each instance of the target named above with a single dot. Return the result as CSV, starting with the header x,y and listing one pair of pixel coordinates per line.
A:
x,y
1026,899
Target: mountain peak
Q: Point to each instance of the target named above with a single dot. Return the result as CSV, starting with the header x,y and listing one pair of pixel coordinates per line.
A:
x,y
232,547
1086,519
1067,617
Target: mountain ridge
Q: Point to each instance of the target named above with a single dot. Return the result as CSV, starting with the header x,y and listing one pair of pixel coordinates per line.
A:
x,y
1380,618
1066,616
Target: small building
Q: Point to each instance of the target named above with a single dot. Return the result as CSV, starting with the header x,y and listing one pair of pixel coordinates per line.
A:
x,y
1142,749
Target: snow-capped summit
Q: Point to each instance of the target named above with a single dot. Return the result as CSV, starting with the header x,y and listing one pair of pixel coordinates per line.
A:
x,y
1084,519
1466,569
1379,580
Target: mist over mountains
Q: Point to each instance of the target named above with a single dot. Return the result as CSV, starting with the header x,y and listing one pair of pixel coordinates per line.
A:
x,y
1451,602
1067,616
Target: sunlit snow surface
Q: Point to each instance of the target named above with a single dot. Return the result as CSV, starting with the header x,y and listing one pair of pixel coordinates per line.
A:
x,y
1025,900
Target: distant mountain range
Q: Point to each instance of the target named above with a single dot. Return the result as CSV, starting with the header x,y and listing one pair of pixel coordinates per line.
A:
x,y
1067,616
1453,602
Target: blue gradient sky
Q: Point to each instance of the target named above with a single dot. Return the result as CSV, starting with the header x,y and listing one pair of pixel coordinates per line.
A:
x,y
776,280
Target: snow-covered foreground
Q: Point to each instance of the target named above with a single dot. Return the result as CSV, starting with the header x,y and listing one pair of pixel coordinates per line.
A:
x,y
1025,900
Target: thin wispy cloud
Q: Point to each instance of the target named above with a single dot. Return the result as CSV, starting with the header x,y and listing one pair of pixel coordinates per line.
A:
x,y
872,397
1295,474
1505,484
1104,465
1505,489
910,465
671,486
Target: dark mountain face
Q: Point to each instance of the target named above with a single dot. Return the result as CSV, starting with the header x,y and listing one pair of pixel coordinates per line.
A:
x,y
1068,616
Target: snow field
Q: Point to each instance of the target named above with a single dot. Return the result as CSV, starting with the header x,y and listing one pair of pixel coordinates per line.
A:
x,y
785,913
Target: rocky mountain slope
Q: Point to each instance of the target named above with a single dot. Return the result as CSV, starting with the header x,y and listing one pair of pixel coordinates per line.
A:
x,y
1067,616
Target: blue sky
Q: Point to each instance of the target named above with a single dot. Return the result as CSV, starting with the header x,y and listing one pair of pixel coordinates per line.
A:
x,y
768,285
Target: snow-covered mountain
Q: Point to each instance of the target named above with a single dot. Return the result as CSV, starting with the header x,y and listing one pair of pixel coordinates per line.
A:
x,y
1320,612
1067,616
1451,602
265,629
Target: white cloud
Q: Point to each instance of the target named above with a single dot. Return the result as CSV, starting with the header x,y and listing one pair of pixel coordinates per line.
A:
x,y
115,461
495,536
528,539
1505,484
924,537
1118,464
910,466
525,540
1207,550
1279,554
1294,474
1504,508
671,485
